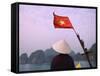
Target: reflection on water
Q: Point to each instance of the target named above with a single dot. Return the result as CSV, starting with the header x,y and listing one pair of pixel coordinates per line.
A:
x,y
46,66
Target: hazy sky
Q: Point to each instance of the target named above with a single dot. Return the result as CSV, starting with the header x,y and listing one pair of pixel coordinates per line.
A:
x,y
37,30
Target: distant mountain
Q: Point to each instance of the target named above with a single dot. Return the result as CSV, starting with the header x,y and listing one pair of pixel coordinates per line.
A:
x,y
93,55
72,53
50,54
40,56
76,56
93,48
92,52
37,57
79,57
23,59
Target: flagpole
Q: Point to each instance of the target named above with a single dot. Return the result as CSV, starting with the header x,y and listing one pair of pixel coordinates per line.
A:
x,y
83,49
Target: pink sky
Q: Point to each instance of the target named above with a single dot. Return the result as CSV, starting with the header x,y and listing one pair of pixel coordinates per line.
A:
x,y
37,30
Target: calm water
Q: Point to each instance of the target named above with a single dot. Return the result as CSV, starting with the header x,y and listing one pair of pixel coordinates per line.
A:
x,y
36,67
33,67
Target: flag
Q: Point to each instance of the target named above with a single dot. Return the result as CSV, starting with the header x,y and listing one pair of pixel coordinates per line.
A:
x,y
61,21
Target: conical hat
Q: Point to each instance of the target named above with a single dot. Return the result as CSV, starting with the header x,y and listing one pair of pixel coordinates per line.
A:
x,y
61,47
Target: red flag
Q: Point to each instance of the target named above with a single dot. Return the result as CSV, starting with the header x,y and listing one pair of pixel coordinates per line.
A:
x,y
61,22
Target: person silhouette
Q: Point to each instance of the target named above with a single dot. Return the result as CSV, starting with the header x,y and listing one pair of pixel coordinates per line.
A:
x,y
62,62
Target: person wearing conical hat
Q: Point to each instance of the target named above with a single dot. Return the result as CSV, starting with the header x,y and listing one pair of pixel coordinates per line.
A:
x,y
63,61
